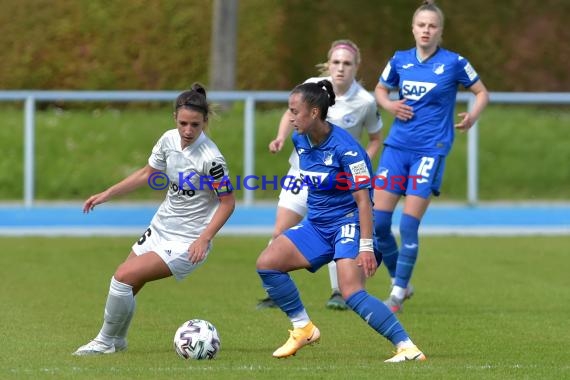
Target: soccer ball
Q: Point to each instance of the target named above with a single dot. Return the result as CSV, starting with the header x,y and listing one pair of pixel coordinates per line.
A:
x,y
197,339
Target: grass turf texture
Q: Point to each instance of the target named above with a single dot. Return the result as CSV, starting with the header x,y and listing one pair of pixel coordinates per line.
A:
x,y
485,308
79,151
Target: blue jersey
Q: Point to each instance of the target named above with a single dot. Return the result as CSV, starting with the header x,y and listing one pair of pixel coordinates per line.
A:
x,y
430,88
332,171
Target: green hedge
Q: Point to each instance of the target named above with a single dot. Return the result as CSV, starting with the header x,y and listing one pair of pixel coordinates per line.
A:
x,y
157,44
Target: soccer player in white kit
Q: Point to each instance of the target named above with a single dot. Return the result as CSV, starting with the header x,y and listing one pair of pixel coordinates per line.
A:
x,y
199,201
355,111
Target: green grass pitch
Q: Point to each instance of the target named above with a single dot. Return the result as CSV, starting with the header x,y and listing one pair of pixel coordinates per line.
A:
x,y
485,308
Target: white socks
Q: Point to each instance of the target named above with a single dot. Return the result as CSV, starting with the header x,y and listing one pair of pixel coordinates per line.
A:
x,y
122,333
300,320
333,276
405,344
119,310
398,292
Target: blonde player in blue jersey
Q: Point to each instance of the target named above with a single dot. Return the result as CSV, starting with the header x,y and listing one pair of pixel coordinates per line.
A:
x,y
336,170
180,234
413,160
355,111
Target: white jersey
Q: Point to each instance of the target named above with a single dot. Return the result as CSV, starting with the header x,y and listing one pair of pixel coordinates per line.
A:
x,y
354,111
191,201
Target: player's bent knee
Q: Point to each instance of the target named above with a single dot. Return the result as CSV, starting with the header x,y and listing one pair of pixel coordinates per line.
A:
x,y
265,261
347,291
127,276
355,300
409,226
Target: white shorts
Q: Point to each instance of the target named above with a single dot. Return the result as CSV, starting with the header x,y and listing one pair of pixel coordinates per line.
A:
x,y
173,253
293,196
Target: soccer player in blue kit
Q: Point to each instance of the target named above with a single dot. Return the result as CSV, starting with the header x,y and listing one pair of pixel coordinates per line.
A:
x,y
421,136
338,226
356,111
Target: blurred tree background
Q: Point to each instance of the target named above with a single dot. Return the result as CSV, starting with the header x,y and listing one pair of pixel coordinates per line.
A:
x,y
165,44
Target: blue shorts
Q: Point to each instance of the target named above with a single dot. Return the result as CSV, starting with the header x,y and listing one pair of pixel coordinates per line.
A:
x,y
408,173
320,245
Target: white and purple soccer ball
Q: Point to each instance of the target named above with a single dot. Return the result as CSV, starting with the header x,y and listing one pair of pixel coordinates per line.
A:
x,y
197,339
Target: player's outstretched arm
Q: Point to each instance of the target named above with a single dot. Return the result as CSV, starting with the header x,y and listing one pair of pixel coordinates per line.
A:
x,y
374,144
130,183
283,132
197,250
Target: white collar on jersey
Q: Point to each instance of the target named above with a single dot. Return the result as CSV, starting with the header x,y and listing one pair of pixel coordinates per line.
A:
x,y
351,90
197,142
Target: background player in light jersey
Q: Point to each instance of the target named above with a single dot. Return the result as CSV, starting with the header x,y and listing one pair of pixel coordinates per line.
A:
x,y
356,111
180,234
421,136
336,170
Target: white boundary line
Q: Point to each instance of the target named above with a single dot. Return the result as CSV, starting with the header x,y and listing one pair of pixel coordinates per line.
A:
x,y
489,230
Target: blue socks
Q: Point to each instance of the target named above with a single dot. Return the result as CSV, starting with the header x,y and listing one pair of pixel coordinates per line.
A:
x,y
408,251
399,264
378,316
385,241
282,291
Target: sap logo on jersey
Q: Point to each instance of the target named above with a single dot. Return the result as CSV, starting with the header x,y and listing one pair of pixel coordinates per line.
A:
x,y
315,179
416,90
